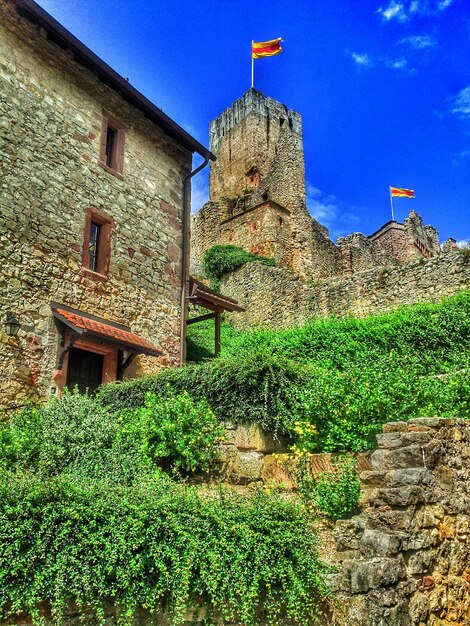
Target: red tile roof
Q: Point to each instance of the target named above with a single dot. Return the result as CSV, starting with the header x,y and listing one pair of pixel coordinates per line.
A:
x,y
109,331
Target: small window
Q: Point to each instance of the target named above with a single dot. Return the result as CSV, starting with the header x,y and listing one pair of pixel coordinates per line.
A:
x,y
96,243
93,245
112,145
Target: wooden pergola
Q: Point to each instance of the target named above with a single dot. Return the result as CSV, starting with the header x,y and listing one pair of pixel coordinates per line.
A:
x,y
201,295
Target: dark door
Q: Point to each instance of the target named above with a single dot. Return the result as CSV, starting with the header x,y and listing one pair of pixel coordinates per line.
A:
x,y
85,370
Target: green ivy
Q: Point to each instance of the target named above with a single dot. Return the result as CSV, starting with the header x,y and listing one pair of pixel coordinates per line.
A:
x,y
220,260
159,547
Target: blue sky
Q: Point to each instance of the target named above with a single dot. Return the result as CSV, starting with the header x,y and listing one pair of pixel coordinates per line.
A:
x,y
383,88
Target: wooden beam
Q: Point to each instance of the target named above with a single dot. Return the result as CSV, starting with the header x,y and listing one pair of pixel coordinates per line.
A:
x,y
217,334
201,318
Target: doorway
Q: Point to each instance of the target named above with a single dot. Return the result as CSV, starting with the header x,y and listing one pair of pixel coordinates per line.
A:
x,y
85,370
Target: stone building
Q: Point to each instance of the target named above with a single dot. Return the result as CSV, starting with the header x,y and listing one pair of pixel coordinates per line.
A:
x,y
258,200
94,199
257,189
393,243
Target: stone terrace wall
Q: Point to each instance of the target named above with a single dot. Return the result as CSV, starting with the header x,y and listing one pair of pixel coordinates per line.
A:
x,y
405,561
273,296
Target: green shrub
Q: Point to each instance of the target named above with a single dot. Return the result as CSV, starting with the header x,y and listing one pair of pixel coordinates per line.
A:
x,y
156,546
220,260
78,436
337,492
173,431
246,389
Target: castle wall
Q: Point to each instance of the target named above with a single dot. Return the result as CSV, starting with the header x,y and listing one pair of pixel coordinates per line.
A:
x,y
50,134
277,297
257,189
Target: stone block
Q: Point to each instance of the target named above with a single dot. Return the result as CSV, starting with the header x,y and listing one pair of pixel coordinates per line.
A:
x,y
377,543
420,563
390,440
391,427
250,436
400,496
409,476
361,576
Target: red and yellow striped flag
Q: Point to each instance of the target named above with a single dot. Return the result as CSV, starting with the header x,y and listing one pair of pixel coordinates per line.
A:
x,y
398,192
261,49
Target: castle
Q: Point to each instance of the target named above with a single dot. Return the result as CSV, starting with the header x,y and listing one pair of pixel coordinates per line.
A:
x,y
258,200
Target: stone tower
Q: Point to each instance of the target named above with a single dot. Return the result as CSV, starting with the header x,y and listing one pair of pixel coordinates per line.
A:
x,y
257,189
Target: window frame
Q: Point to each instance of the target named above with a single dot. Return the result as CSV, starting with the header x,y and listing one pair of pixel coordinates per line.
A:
x,y
103,252
116,167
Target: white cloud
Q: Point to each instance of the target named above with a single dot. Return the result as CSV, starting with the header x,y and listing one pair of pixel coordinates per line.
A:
x,y
404,11
394,11
361,59
419,42
461,103
399,64
323,207
368,60
442,5
464,244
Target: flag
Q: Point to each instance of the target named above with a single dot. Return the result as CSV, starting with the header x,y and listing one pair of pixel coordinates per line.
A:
x,y
397,192
261,49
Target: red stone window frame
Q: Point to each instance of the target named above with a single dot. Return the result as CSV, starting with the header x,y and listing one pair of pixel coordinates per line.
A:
x,y
113,137
103,252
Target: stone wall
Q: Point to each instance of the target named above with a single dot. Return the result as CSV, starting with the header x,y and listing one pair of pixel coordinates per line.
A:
x,y
405,561
50,134
277,297
257,189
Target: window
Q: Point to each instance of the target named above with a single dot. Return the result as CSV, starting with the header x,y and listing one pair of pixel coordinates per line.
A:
x,y
93,245
96,244
112,145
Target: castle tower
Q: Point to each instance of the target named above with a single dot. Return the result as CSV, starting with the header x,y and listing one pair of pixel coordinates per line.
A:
x,y
257,189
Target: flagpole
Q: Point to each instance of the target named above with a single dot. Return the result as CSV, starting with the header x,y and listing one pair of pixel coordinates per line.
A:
x,y
252,65
391,203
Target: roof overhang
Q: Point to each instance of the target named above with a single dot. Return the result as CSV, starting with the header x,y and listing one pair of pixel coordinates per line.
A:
x,y
86,325
201,294
57,34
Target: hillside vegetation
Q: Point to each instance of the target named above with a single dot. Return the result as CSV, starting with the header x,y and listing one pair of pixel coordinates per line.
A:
x,y
344,377
95,514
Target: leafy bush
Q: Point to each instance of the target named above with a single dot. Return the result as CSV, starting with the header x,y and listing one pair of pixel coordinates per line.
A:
x,y
173,431
78,436
156,546
220,259
337,492
246,389
356,374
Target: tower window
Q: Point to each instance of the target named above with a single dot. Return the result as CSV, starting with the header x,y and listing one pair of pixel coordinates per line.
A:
x,y
112,145
281,121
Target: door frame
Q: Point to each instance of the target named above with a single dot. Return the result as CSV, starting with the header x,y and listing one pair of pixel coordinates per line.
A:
x,y
108,350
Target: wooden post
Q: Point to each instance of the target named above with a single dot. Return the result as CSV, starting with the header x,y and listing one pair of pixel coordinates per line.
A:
x,y
217,334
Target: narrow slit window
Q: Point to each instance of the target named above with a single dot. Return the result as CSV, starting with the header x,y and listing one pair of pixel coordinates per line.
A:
x,y
94,246
110,154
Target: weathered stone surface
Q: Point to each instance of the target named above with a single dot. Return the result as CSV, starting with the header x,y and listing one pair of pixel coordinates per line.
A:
x,y
429,535
51,110
361,576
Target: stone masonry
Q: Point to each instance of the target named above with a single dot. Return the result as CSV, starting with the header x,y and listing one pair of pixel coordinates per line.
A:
x,y
405,561
51,114
257,189
258,201
278,297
